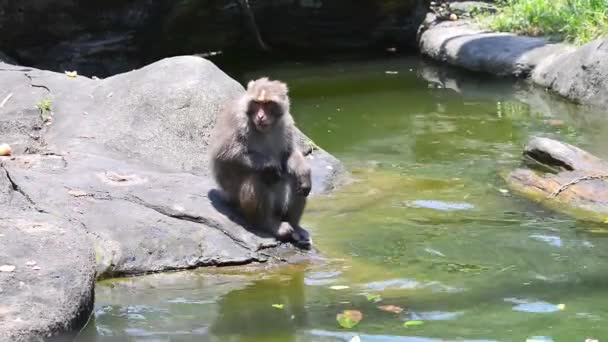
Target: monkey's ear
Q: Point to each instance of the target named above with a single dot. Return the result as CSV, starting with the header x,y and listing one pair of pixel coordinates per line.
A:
x,y
250,84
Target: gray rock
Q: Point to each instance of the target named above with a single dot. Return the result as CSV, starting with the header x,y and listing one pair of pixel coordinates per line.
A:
x,y
464,45
580,74
123,163
54,295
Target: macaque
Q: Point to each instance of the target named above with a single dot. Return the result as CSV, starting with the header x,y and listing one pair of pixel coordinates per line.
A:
x,y
256,163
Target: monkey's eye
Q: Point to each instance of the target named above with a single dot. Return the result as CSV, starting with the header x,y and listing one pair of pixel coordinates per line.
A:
x,y
274,109
253,108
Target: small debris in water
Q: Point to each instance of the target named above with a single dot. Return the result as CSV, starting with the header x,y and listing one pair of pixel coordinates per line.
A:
x,y
408,324
556,123
36,268
391,72
434,252
539,339
373,297
31,263
339,287
391,308
278,306
7,268
349,318
439,205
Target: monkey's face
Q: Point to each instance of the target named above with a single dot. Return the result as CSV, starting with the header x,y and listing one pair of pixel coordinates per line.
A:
x,y
264,114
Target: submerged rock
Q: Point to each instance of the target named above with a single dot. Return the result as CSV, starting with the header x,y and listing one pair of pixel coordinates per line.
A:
x,y
118,183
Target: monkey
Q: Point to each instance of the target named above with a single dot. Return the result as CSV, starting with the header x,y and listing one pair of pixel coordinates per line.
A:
x,y
257,164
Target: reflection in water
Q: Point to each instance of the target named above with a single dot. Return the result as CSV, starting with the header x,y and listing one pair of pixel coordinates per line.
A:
x,y
427,226
250,312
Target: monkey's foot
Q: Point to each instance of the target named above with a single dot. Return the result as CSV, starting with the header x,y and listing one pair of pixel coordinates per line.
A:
x,y
302,238
298,235
284,232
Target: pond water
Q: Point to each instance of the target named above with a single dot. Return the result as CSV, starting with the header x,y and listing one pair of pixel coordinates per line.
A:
x,y
427,225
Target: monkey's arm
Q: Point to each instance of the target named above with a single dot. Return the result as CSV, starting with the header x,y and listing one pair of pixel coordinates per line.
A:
x,y
298,166
239,155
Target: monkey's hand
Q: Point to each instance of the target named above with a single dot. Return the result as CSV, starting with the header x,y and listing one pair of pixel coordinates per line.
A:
x,y
271,174
304,185
299,168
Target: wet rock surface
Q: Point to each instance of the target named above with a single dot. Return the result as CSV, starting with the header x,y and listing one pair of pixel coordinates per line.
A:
x,y
118,180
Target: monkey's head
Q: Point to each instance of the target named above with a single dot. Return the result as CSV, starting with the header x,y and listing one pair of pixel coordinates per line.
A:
x,y
268,103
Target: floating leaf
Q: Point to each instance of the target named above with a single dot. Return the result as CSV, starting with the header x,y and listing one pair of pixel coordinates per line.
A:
x,y
355,339
71,74
278,306
539,339
391,308
349,318
412,323
373,297
339,287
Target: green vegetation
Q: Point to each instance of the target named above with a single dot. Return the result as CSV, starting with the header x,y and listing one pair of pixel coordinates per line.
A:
x,y
576,21
44,106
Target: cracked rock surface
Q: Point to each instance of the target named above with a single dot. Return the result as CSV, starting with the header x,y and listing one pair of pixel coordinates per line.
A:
x,y
117,184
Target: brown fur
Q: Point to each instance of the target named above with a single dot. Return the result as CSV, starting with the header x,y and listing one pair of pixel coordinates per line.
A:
x,y
261,171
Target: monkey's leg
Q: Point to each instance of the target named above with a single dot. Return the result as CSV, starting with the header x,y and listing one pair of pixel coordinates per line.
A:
x,y
257,201
295,204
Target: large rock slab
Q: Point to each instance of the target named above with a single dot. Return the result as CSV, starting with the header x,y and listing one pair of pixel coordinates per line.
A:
x,y
462,44
580,75
120,182
51,287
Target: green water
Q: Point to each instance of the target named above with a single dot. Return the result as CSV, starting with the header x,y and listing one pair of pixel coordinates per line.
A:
x,y
427,225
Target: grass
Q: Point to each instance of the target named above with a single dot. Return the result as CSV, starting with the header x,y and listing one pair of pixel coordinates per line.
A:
x,y
574,21
44,106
